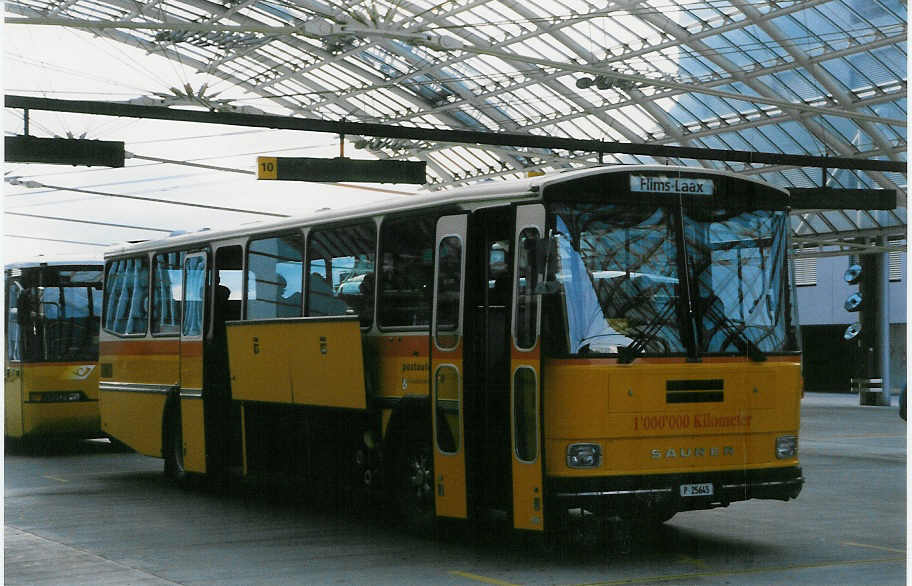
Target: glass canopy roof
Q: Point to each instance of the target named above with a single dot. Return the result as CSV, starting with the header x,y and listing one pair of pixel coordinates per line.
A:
x,y
816,77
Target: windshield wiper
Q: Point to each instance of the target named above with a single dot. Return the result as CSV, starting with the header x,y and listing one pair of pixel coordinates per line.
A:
x,y
735,334
626,354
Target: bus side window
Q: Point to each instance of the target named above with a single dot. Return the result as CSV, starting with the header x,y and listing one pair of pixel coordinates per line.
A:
x,y
340,270
127,283
166,293
407,273
275,265
228,286
13,324
526,301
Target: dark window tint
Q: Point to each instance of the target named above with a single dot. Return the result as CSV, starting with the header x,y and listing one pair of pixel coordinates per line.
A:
x,y
526,300
449,287
407,271
341,272
525,415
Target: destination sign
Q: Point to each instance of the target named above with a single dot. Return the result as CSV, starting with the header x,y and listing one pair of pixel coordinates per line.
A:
x,y
662,184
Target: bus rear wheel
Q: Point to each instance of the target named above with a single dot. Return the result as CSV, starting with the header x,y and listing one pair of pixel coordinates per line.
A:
x,y
415,486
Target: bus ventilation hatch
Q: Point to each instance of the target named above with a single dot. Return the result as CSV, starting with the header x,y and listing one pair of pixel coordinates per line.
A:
x,y
695,391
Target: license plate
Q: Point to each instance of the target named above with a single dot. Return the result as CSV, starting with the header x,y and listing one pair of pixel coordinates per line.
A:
x,y
705,489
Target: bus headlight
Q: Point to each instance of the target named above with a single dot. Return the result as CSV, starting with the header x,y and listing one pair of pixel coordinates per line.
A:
x,y
584,456
786,446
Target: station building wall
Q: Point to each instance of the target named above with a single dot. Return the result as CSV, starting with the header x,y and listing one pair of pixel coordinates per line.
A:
x,y
828,358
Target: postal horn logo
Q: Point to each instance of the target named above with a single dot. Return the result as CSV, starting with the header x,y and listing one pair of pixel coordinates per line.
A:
x,y
80,372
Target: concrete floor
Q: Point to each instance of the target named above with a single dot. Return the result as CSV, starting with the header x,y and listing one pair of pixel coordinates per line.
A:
x,y
83,513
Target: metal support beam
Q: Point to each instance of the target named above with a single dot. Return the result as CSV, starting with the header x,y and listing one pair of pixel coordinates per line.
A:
x,y
883,323
445,135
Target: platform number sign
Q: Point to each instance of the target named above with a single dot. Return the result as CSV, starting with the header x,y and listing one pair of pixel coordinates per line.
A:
x,y
267,168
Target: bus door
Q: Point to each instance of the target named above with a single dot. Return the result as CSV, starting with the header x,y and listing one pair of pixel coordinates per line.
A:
x,y
447,368
488,294
525,373
191,362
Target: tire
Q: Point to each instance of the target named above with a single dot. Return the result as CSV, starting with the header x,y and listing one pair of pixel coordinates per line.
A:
x,y
174,448
659,516
415,486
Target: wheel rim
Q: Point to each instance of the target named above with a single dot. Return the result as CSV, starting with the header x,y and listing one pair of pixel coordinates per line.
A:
x,y
419,480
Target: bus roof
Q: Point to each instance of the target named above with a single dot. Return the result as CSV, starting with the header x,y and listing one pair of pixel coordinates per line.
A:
x,y
490,191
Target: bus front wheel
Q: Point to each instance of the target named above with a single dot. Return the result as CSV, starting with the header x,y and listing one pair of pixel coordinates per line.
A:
x,y
415,486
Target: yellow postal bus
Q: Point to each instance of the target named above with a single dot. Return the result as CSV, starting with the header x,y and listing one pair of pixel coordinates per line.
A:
x,y
611,342
51,376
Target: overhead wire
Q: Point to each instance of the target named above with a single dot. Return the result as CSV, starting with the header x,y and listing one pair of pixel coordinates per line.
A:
x,y
159,200
92,222
105,244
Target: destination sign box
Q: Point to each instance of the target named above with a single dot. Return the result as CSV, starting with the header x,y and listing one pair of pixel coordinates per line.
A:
x,y
662,184
341,169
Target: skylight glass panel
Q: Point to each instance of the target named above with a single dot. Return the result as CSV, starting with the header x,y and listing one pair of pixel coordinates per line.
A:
x,y
784,141
894,59
792,86
595,128
575,7
698,66
101,10
370,107
758,141
808,143
682,115
547,47
872,69
582,33
636,120
622,28
562,131
793,178
351,76
736,141
713,141
894,135
849,131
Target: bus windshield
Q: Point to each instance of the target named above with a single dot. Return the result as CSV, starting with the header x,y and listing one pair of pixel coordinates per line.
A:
x,y
56,321
668,280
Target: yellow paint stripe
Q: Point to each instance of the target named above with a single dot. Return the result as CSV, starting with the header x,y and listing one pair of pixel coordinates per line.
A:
x,y
869,546
691,576
483,579
55,478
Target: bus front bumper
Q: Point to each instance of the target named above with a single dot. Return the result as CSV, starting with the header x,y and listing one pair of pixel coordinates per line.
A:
x,y
632,495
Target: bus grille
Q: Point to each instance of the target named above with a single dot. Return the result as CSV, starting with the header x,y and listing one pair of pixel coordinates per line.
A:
x,y
695,391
